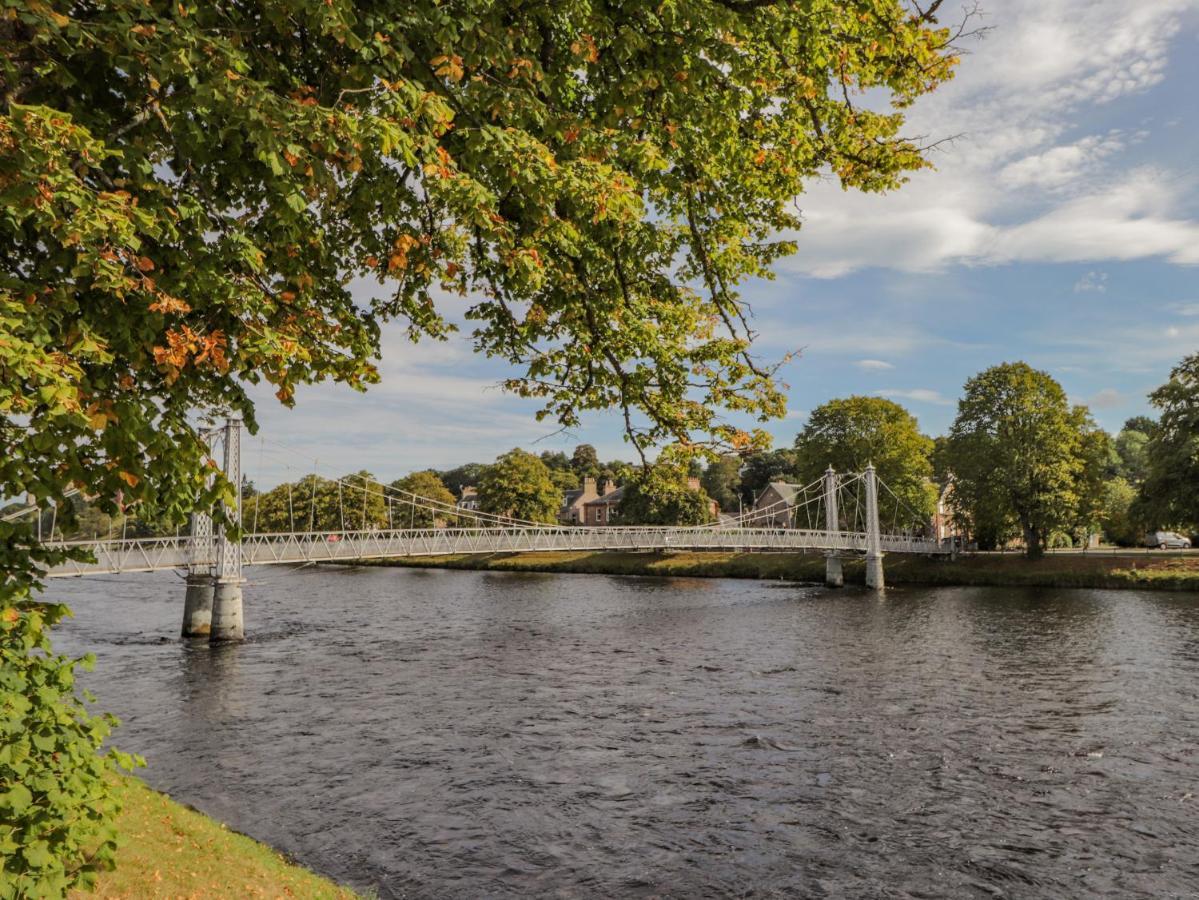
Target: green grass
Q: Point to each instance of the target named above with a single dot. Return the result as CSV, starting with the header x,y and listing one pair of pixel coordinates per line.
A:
x,y
172,851
1109,571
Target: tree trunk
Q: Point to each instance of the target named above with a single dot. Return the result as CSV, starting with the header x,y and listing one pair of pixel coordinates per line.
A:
x,y
1034,544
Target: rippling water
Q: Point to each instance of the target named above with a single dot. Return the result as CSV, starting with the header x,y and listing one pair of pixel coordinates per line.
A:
x,y
460,734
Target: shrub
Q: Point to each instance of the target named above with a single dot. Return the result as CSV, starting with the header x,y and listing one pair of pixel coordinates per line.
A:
x,y
57,807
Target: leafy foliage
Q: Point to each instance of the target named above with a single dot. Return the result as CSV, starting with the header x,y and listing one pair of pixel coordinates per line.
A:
x,y
662,495
1019,454
189,191
852,433
462,476
519,485
1170,492
423,484
312,503
721,480
56,800
1120,518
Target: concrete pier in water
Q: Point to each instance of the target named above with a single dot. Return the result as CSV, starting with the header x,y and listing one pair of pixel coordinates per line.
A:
x,y
833,574
197,606
228,623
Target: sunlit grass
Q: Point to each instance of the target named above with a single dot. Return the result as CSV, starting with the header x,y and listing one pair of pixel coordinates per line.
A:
x,y
172,851
1097,571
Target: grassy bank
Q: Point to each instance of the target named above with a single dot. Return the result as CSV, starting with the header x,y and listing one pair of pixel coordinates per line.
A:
x,y
172,851
1133,571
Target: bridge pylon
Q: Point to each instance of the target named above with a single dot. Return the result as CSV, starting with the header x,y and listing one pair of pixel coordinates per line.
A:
x,y
228,623
874,539
833,574
197,603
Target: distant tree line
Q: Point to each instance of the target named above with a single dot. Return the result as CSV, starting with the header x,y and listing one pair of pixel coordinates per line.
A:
x,y
1023,463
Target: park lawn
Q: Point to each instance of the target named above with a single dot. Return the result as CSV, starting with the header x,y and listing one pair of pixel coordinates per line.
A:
x,y
171,851
1134,570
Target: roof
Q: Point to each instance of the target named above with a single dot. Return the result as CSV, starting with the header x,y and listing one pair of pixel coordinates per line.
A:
x,y
785,490
569,497
607,499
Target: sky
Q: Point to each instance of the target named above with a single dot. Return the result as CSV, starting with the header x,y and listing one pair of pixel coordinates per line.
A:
x,y
1059,227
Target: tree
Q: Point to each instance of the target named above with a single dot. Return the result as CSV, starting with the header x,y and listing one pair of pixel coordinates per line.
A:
x,y
1132,448
1120,519
1100,466
764,467
1170,492
350,503
854,432
189,191
519,485
462,476
585,462
427,485
722,481
1017,452
662,495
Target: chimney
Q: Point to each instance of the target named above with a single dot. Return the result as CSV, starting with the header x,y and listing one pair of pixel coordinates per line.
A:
x,y
588,485
693,482
608,487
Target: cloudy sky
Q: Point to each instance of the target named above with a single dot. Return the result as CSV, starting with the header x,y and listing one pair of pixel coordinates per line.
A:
x,y
1061,227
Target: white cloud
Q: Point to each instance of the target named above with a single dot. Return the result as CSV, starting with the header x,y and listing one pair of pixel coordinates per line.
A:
x,y
1062,165
873,365
1025,182
917,395
1092,282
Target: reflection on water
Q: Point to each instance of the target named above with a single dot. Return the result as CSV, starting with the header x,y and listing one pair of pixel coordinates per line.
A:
x,y
459,734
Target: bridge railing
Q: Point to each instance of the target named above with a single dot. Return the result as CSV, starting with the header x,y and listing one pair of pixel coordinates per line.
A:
x,y
149,554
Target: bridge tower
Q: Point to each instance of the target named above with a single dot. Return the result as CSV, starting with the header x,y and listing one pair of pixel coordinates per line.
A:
x,y
197,604
227,621
874,540
833,575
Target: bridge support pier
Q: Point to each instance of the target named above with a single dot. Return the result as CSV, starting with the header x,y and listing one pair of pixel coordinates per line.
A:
x,y
197,605
833,575
874,538
874,572
228,623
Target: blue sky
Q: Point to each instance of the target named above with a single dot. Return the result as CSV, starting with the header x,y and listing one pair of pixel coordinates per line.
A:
x,y
1061,228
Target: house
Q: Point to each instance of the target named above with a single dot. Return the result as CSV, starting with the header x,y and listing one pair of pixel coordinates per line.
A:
x,y
603,509
775,506
944,525
571,512
469,498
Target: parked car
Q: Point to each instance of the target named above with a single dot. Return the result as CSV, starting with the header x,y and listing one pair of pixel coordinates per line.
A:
x,y
1167,540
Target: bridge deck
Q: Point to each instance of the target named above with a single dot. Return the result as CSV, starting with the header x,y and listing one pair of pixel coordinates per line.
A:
x,y
151,554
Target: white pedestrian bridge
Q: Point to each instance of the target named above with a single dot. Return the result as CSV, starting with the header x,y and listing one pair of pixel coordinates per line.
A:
x,y
100,557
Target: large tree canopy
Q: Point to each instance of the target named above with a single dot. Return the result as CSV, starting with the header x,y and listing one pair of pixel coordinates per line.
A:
x,y
1024,461
851,433
1170,492
662,494
519,485
190,191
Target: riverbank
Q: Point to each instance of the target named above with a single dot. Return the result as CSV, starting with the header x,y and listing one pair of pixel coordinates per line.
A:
x,y
1139,571
169,850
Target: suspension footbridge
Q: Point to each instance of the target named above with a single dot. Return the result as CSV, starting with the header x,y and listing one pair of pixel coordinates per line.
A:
x,y
840,511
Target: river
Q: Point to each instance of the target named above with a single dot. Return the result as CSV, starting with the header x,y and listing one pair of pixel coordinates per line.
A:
x,y
425,733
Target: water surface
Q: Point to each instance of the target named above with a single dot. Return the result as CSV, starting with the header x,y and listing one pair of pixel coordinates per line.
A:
x,y
466,734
